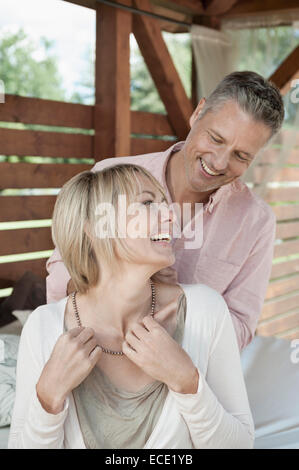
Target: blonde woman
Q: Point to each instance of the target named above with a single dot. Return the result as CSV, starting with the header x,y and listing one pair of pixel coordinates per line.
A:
x,y
127,361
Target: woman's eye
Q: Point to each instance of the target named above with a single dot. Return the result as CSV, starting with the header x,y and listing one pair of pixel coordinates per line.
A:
x,y
147,203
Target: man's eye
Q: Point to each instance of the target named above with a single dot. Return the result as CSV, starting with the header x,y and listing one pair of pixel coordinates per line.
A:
x,y
241,158
147,203
215,140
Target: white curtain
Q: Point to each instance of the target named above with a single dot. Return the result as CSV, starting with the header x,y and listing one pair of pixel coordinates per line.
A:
x,y
214,55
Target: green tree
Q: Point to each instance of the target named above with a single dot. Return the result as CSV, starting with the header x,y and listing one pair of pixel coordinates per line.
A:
x,y
23,73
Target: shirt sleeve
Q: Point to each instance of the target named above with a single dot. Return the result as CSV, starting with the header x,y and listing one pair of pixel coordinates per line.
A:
x,y
218,415
57,279
246,294
32,427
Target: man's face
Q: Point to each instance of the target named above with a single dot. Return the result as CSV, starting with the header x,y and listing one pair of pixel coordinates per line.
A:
x,y
224,142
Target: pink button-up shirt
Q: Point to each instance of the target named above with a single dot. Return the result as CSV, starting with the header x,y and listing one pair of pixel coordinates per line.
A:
x,y
235,256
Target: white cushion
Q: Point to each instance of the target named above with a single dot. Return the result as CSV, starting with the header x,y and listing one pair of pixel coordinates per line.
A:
x,y
272,381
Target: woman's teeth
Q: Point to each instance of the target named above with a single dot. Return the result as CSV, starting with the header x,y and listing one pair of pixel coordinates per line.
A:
x,y
207,169
161,237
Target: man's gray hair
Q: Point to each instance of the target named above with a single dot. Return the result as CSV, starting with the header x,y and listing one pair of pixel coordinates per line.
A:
x,y
255,95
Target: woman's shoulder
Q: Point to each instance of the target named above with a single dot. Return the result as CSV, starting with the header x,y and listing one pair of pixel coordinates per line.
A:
x,y
45,318
204,303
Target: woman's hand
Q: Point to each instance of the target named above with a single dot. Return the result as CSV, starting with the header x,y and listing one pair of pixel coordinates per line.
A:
x,y
151,348
74,356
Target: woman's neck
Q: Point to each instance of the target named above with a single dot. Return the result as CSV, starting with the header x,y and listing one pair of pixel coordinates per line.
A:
x,y
119,300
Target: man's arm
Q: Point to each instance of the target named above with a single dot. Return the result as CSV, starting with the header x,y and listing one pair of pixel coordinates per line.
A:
x,y
57,279
246,294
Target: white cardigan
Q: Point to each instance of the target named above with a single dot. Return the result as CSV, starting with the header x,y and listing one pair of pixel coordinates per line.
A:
x,y
217,416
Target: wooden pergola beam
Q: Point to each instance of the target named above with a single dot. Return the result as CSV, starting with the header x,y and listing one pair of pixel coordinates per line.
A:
x,y
165,76
244,8
112,117
287,71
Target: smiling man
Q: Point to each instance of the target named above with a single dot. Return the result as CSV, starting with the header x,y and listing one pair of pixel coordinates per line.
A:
x,y
235,258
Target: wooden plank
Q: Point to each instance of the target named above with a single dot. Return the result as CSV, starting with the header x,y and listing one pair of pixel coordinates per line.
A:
x,y
251,8
282,195
25,240
165,76
279,325
216,7
13,271
282,269
284,74
46,112
29,175
112,116
45,144
286,249
150,124
141,146
279,306
27,110
270,156
280,174
290,336
282,287
14,208
287,212
287,230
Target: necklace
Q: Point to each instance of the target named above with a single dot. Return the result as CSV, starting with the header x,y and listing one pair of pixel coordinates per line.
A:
x,y
105,350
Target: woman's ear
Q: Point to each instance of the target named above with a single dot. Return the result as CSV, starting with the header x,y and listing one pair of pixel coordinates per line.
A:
x,y
196,112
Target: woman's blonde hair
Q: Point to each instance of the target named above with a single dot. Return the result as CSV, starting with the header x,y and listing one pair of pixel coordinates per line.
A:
x,y
75,218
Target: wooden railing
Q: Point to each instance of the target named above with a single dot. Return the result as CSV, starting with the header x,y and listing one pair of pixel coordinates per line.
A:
x,y
280,314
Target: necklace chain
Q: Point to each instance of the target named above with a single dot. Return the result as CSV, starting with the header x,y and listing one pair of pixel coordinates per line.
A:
x,y
106,350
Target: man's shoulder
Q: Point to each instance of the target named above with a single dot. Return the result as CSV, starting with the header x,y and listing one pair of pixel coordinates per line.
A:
x,y
145,160
253,205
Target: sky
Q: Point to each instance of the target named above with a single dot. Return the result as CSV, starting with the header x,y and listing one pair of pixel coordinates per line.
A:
x,y
70,26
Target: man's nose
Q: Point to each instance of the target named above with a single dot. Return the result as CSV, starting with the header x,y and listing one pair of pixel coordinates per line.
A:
x,y
220,161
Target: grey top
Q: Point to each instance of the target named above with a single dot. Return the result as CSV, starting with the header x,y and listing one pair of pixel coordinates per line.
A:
x,y
111,418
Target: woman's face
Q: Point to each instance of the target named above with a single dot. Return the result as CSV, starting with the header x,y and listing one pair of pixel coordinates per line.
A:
x,y
146,226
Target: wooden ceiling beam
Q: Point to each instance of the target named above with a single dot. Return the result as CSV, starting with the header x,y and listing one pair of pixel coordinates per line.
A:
x,y
287,71
244,8
162,69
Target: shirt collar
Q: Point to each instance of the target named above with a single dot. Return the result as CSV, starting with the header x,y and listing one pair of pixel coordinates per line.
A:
x,y
215,197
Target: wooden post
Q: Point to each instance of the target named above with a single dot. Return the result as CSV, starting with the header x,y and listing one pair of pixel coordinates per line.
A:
x,y
112,122
148,35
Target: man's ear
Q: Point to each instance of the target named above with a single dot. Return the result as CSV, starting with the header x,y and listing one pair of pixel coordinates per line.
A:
x,y
196,112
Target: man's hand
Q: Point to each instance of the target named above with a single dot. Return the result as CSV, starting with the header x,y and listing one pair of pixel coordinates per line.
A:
x,y
70,287
151,348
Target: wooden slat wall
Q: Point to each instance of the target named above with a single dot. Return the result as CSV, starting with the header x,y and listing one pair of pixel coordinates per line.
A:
x,y
280,315
63,144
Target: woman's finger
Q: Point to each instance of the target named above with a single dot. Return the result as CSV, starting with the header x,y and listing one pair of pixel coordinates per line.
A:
x,y
85,335
73,332
128,350
90,345
139,330
132,340
95,355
